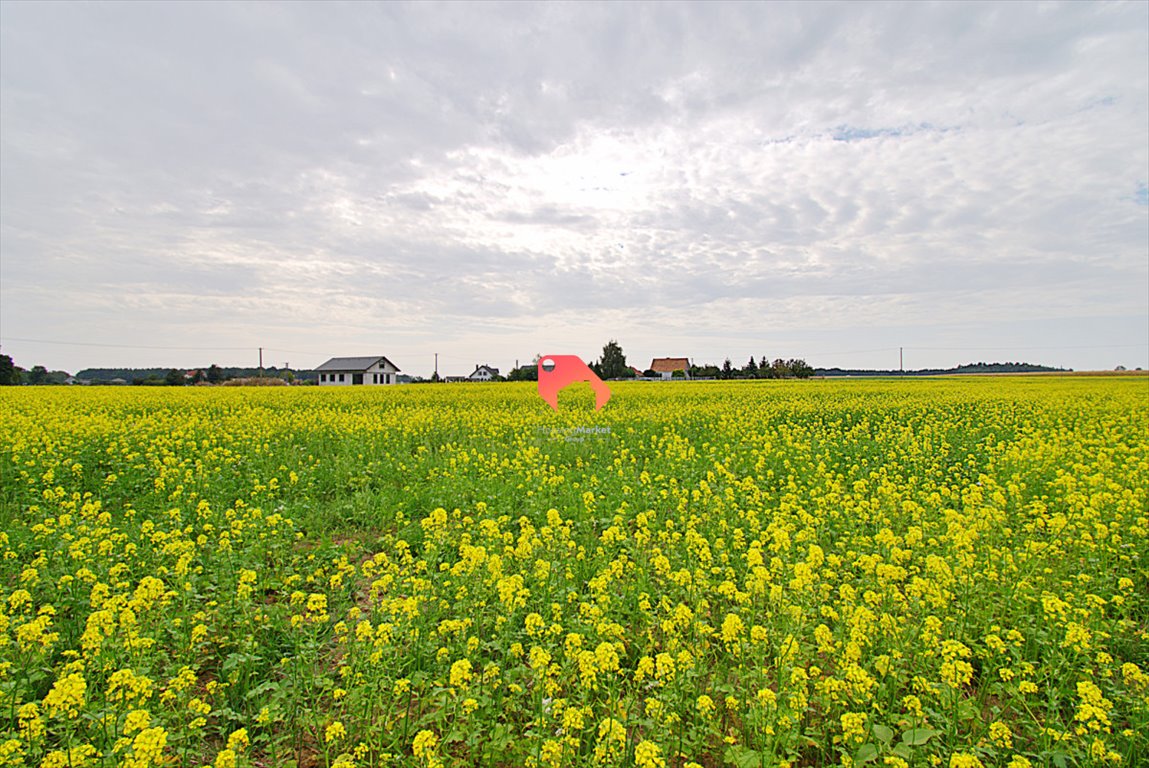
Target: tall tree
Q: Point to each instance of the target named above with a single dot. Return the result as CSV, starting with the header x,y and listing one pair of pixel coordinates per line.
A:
x,y
214,374
612,364
8,373
750,370
175,378
800,369
38,375
727,369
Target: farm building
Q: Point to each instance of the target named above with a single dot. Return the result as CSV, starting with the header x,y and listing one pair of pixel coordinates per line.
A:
x,y
666,366
345,371
483,373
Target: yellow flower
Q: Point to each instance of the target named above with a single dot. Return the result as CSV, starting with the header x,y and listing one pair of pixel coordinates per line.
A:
x,y
732,628
334,732
1093,708
648,755
66,696
136,721
853,727
74,757
31,726
611,742
238,741
423,746
539,659
606,657
1000,734
147,749
461,673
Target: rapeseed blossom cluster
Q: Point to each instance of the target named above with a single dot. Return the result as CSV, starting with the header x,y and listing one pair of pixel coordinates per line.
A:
x,y
943,573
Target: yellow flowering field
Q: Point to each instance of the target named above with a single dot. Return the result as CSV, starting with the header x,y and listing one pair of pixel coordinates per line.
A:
x,y
888,573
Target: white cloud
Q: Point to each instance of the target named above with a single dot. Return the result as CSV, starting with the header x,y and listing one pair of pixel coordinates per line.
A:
x,y
506,177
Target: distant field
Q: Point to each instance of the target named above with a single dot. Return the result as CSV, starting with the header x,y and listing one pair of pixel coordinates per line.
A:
x,y
837,572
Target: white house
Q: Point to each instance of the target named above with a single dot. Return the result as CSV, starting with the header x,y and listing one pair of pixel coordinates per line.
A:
x,y
483,373
345,371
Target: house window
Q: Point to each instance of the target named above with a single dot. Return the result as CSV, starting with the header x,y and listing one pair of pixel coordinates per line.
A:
x,y
374,378
341,377
323,377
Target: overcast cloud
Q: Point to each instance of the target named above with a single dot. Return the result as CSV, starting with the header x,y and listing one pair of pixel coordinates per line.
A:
x,y
969,181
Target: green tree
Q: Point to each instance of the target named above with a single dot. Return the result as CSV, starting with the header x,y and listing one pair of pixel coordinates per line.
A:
x,y
750,370
524,373
612,364
727,370
800,369
9,375
174,378
214,374
38,375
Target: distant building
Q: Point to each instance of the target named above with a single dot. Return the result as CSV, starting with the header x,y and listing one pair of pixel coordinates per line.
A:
x,y
347,371
666,366
483,373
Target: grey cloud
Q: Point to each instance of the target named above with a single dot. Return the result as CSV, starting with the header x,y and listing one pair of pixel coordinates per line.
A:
x,y
437,164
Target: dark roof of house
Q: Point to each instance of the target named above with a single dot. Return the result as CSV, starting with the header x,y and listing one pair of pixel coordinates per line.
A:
x,y
354,364
669,364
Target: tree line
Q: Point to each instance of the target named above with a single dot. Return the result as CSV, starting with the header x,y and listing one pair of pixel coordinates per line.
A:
x,y
612,365
12,374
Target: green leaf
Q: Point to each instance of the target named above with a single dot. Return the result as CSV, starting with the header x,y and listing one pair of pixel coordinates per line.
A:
x,y
1059,759
883,734
915,737
743,757
865,754
904,752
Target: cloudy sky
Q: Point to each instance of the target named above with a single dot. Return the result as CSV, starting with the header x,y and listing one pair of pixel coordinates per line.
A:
x,y
182,183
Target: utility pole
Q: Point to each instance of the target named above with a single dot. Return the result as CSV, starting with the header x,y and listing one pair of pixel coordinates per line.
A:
x,y
901,361
436,366
261,362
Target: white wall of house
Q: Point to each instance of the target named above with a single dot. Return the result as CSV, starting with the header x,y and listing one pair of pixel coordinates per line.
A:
x,y
332,378
380,374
